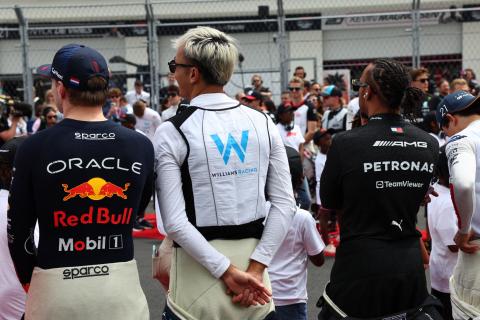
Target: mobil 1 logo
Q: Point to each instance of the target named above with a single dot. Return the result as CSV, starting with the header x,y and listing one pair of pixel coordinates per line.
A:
x,y
115,242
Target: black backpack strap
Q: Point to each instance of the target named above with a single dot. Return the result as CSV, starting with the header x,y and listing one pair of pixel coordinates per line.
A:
x,y
177,122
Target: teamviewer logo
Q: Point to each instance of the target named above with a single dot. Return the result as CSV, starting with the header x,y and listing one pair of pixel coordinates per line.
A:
x,y
379,184
226,148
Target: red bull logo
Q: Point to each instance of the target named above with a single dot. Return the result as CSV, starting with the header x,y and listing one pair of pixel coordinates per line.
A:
x,y
95,189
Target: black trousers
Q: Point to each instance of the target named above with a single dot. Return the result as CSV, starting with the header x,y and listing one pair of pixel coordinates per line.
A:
x,y
447,303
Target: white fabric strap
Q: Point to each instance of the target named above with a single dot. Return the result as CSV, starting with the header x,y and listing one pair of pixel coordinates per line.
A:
x,y
333,305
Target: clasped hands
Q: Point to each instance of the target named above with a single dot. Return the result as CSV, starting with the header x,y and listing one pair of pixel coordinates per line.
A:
x,y
246,287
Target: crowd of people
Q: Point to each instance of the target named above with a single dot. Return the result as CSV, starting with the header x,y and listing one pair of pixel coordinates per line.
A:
x,y
247,192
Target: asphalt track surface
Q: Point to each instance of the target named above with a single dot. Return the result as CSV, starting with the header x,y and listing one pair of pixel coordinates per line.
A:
x,y
317,278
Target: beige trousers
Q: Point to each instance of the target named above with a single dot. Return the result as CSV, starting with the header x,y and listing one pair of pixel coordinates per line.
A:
x,y
465,286
194,294
94,292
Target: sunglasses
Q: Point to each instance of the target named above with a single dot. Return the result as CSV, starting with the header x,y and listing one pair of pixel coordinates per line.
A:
x,y
172,65
357,84
295,88
172,94
52,117
423,80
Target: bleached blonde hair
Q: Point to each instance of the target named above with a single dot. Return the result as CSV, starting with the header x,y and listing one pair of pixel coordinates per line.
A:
x,y
212,51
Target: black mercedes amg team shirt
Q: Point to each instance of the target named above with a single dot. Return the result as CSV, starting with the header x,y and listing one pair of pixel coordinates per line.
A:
x,y
378,175
84,183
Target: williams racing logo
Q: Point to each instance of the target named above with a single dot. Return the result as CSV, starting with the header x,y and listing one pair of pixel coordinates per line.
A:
x,y
95,189
225,149
85,272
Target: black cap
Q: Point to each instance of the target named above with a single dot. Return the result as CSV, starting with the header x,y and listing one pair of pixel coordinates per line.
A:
x,y
9,149
253,95
74,65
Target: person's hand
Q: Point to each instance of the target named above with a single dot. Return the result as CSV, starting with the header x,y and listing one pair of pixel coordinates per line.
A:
x,y
428,197
15,118
246,288
462,241
256,269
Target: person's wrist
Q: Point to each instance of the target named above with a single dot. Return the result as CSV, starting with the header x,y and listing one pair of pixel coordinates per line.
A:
x,y
227,272
256,267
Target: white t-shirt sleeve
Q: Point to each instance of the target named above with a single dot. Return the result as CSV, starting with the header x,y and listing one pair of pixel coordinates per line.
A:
x,y
311,238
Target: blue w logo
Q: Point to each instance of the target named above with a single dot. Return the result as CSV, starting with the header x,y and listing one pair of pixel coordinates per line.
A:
x,y
226,149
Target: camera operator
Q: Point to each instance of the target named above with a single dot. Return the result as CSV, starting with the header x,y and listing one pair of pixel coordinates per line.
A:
x,y
12,122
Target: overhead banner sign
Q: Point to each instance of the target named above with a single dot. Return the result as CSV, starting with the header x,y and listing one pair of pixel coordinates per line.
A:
x,y
121,29
401,19
391,20
311,21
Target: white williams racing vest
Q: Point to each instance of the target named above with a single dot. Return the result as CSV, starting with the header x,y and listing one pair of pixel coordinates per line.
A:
x,y
225,170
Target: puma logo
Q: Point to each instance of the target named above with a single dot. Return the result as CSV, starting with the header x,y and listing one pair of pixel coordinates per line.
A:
x,y
398,224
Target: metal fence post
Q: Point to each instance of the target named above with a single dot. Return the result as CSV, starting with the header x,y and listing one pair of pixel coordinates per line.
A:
x,y
282,46
27,72
153,56
415,34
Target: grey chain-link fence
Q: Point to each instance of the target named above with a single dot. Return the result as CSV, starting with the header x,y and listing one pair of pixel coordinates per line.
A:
x,y
330,39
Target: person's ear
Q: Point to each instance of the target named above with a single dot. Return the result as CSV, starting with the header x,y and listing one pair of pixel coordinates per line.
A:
x,y
194,75
449,119
61,91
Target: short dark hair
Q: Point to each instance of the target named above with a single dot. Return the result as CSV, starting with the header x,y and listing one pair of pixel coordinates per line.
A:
x,y
416,72
138,83
95,95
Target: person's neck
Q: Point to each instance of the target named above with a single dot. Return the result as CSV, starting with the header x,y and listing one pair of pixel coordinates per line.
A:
x,y
464,122
376,109
335,108
297,101
83,113
205,89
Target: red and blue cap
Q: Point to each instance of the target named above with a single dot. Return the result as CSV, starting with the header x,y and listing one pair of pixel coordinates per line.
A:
x,y
453,103
74,65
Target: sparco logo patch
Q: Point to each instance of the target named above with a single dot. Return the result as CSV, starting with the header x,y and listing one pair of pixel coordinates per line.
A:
x,y
402,144
95,136
85,272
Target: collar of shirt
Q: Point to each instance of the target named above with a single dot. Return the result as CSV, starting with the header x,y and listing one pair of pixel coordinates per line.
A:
x,y
213,101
